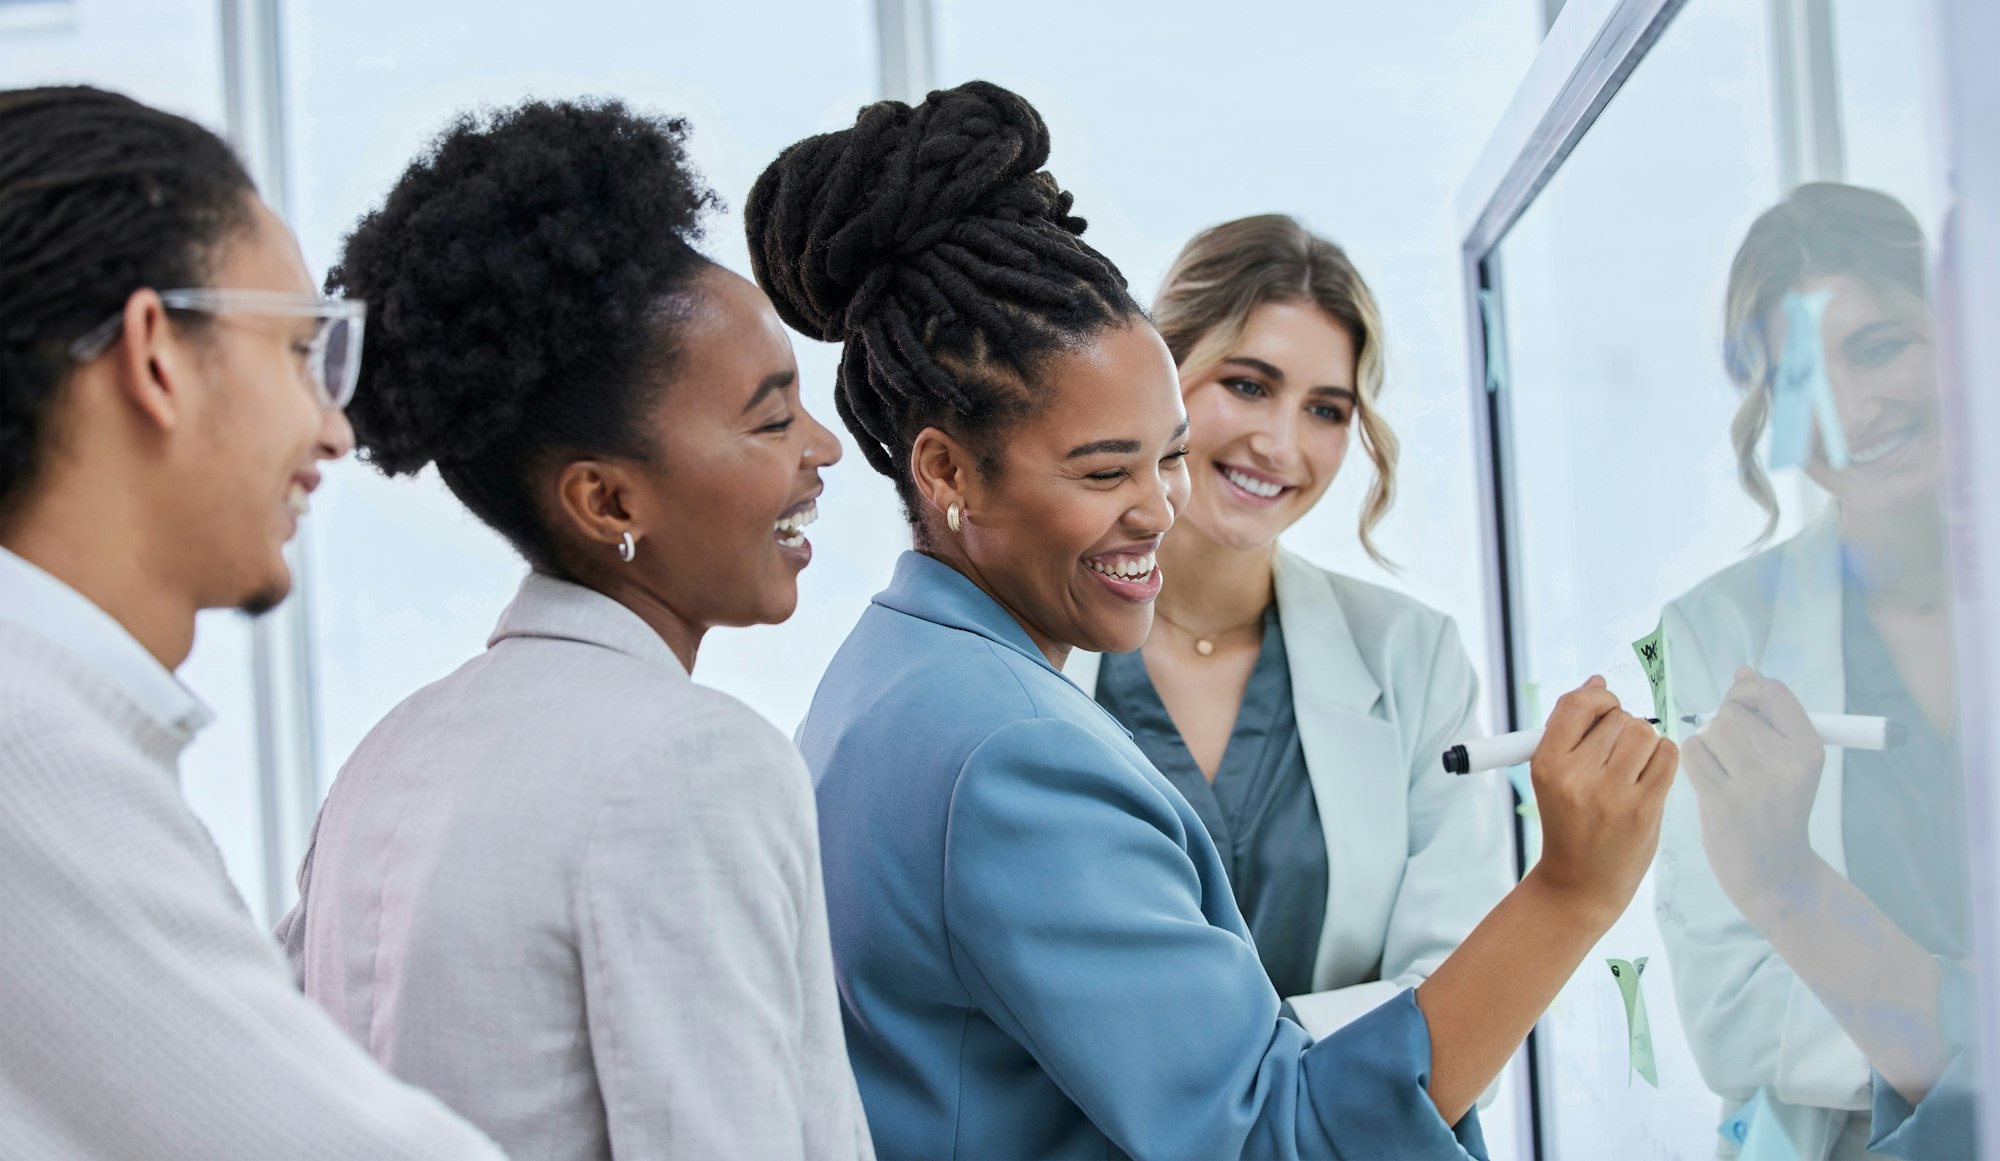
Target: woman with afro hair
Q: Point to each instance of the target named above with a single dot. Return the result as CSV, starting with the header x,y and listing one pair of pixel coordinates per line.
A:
x,y
1038,949
567,890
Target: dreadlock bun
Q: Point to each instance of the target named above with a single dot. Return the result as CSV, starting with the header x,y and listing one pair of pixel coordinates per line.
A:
x,y
931,242
834,219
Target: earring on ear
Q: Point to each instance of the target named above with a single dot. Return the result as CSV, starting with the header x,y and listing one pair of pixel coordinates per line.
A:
x,y
951,516
628,548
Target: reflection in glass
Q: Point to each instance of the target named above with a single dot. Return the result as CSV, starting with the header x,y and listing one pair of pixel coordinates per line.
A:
x,y
1816,910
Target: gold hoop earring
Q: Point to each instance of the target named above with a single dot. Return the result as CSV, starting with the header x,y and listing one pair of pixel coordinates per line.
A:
x,y
951,517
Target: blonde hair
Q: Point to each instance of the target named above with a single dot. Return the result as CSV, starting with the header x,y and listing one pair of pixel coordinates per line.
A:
x,y
1226,272
1821,228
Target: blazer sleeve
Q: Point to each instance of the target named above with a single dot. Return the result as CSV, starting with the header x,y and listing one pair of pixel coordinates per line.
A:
x,y
1750,1022
291,930
689,912
1459,860
1941,1125
1074,916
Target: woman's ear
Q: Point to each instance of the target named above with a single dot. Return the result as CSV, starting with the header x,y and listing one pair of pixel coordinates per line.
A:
x,y
590,495
944,470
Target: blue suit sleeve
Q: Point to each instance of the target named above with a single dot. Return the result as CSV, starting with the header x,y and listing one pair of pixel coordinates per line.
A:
x,y
1074,910
1941,1124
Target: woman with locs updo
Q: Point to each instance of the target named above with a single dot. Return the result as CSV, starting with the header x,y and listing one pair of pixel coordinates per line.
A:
x,y
566,889
1302,712
1038,951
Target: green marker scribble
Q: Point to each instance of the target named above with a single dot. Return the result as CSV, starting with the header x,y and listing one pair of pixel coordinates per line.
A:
x,y
1628,973
1652,651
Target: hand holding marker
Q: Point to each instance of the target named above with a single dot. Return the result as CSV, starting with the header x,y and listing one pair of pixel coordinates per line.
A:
x,y
1848,731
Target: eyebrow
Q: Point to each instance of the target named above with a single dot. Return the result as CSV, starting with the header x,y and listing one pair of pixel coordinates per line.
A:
x,y
1875,330
1123,447
774,382
1270,371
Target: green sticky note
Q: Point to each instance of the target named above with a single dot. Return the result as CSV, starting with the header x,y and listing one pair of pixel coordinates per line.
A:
x,y
1628,973
1652,651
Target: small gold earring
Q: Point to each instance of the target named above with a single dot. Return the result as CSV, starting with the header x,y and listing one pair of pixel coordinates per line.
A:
x,y
951,516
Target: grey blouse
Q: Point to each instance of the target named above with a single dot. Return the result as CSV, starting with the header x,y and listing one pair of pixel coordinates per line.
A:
x,y
1260,810
1902,808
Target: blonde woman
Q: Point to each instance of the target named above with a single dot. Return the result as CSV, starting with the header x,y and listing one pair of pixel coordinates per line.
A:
x,y
1812,899
1301,712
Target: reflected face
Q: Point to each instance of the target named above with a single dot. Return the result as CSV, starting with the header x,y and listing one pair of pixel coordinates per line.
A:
x,y
258,433
1883,370
1269,425
1065,531
734,477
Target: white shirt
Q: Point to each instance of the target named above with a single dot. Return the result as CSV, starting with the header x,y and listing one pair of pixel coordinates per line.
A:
x,y
145,1014
50,609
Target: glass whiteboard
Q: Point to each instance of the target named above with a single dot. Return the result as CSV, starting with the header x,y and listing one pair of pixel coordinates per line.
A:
x,y
1719,417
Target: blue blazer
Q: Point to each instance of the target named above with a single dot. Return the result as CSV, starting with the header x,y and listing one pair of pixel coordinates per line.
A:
x,y
1037,948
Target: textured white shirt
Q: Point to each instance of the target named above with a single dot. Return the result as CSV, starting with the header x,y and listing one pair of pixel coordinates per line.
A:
x,y
48,608
144,1014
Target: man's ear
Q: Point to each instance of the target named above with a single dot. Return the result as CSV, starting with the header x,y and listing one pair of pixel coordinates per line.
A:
x,y
945,470
155,364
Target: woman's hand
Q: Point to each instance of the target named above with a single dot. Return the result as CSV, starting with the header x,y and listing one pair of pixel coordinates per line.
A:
x,y
1755,770
1601,777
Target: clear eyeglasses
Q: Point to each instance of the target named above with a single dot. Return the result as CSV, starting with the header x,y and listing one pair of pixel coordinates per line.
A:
x,y
333,362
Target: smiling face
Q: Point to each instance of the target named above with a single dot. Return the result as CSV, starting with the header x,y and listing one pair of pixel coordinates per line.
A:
x,y
722,502
257,432
1270,424
1063,530
1883,371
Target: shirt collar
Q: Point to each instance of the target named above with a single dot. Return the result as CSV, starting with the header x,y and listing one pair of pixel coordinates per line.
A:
x,y
50,609
560,610
934,591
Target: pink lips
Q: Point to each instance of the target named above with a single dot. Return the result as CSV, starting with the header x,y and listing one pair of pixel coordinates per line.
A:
x,y
1246,496
1112,570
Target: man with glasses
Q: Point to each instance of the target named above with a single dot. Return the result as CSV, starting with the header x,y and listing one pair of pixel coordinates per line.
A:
x,y
169,384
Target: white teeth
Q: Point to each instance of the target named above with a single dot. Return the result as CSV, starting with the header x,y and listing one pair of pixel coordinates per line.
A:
x,y
298,500
1253,486
1128,569
788,528
1881,447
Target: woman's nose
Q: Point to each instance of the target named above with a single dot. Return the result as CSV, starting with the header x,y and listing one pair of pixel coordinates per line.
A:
x,y
823,448
1156,513
1277,443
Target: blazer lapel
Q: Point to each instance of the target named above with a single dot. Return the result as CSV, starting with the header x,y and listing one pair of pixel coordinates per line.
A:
x,y
1354,760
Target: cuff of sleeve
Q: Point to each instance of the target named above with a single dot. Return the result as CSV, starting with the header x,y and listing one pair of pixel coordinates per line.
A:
x,y
1370,1087
1940,1125
1324,1013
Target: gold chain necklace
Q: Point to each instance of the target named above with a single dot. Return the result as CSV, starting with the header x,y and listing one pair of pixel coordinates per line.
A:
x,y
1204,643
